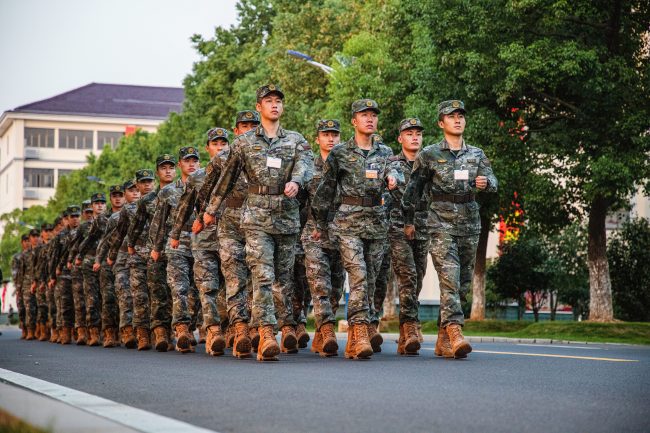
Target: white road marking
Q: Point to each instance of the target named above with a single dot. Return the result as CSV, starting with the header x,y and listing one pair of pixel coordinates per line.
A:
x,y
558,346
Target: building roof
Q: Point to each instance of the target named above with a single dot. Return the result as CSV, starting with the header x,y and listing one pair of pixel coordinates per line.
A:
x,y
111,100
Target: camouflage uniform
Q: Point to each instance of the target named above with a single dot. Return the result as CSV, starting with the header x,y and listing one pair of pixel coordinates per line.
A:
x,y
271,219
76,275
40,276
29,299
64,281
453,216
360,223
17,277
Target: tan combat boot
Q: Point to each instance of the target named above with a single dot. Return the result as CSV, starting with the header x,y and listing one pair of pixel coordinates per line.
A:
x,y
459,346
420,336
215,343
202,335
95,338
54,335
329,346
160,339
375,337
268,348
37,332
183,338
144,342
23,331
45,332
66,335
127,336
242,345
409,343
358,346
230,337
443,346
289,342
30,333
109,338
317,342
254,335
81,336
302,335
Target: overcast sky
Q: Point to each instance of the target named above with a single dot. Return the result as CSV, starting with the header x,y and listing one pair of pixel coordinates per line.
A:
x,y
48,47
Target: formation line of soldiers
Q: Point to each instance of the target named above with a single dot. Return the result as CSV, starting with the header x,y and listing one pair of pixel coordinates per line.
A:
x,y
241,248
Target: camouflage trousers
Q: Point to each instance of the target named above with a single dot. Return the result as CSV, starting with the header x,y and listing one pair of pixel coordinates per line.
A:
x,y
180,279
232,252
326,277
92,293
409,261
160,296
138,281
64,301
29,301
301,295
51,305
78,297
270,258
20,304
362,260
453,258
210,283
123,290
41,303
381,285
110,314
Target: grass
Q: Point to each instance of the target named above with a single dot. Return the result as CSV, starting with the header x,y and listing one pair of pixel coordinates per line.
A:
x,y
11,424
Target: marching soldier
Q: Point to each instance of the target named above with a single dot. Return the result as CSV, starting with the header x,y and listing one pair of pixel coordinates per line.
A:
x,y
17,276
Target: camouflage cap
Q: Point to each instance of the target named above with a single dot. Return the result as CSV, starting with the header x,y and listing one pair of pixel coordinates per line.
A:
x,y
34,232
128,184
115,189
48,227
98,197
267,90
65,213
74,210
410,123
85,203
216,133
188,152
24,237
165,158
144,174
447,107
247,116
328,125
44,226
365,104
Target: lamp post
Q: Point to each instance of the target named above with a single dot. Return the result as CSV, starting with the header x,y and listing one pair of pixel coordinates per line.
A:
x,y
297,54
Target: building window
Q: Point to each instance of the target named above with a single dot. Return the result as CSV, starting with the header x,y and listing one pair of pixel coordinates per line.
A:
x,y
39,178
71,139
62,172
39,137
105,138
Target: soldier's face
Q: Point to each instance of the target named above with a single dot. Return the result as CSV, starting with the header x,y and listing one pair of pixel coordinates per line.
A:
x,y
216,146
410,139
45,235
24,244
88,214
365,122
33,240
244,127
189,165
117,199
166,172
133,193
453,123
327,140
145,186
270,107
98,207
73,221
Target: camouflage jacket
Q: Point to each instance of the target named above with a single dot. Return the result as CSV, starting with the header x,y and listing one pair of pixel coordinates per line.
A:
x,y
80,235
17,270
104,243
311,225
267,163
88,246
28,268
118,240
350,173
163,218
229,215
395,214
61,261
41,261
58,244
434,170
139,228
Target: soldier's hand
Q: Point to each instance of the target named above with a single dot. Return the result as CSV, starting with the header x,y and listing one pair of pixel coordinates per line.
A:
x,y
131,250
77,262
207,219
110,262
155,255
174,243
392,182
481,182
409,232
291,189
96,267
316,235
197,227
32,288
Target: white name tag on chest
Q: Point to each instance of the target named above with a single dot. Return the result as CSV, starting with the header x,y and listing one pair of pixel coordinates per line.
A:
x,y
272,162
372,174
461,174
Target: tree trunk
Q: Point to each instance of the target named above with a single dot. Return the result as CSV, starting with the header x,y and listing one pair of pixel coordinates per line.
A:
x,y
553,305
521,307
478,278
600,284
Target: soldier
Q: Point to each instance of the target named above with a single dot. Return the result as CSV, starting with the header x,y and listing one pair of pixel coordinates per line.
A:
x,y
232,243
29,285
149,278
84,255
179,260
205,251
325,273
51,301
17,276
359,171
277,163
79,299
87,211
40,280
453,172
301,294
119,258
409,256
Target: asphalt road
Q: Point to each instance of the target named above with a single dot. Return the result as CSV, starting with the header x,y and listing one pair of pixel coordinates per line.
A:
x,y
514,390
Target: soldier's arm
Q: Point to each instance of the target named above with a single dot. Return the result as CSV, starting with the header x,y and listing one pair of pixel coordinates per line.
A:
x,y
157,227
117,236
398,192
326,191
54,257
205,192
413,193
137,224
184,212
93,234
226,182
303,168
104,242
485,169
74,246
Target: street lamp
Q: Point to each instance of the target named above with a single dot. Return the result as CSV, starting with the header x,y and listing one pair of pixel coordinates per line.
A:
x,y
95,179
327,69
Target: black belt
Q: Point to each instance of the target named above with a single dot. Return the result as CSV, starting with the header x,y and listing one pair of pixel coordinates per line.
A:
x,y
361,201
234,202
466,198
265,190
